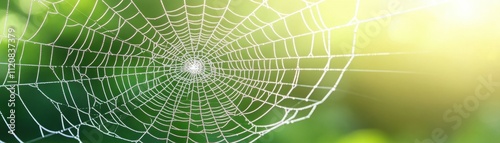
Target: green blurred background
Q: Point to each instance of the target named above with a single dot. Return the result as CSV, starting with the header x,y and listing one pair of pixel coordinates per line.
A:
x,y
437,52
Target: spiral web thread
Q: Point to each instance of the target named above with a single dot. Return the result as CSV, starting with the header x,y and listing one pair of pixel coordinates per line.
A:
x,y
191,71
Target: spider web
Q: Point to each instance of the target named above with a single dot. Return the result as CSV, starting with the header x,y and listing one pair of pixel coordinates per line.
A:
x,y
183,71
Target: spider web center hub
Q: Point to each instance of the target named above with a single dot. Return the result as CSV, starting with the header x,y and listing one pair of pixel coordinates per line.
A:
x,y
194,66
195,69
